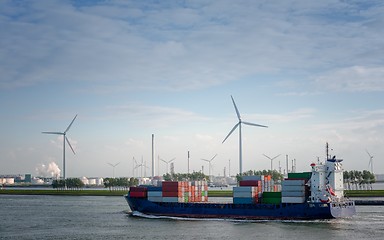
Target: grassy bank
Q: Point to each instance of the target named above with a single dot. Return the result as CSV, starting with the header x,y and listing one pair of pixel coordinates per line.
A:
x,y
364,193
86,192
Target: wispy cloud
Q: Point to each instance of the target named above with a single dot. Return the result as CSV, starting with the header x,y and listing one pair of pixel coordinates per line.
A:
x,y
146,45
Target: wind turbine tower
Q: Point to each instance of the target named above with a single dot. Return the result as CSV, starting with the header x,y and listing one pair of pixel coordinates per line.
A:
x,y
65,139
210,165
240,138
167,162
370,161
113,166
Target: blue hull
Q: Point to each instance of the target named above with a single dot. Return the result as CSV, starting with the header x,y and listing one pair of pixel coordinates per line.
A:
x,y
284,211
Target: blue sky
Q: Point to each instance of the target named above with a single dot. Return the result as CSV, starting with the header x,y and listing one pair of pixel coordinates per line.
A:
x,y
311,71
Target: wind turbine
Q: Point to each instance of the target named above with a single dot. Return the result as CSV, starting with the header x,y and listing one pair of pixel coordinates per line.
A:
x,y
209,166
370,161
65,139
271,160
240,139
167,162
113,165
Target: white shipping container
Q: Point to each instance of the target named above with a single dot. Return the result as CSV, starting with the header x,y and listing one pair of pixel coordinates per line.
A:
x,y
285,188
155,193
244,189
293,182
173,199
243,194
155,199
292,199
293,194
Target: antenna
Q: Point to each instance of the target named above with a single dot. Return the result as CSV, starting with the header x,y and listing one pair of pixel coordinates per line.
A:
x,y
272,160
113,166
240,138
65,139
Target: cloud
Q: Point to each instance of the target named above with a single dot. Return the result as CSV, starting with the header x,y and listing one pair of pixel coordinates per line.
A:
x,y
157,115
353,79
119,46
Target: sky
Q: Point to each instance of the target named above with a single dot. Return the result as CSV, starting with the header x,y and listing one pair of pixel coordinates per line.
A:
x,y
312,71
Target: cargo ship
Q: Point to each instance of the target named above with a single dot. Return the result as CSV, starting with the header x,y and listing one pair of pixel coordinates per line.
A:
x,y
318,194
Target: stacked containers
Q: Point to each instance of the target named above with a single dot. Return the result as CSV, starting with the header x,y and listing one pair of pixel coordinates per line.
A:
x,y
249,190
155,194
174,191
293,191
177,191
138,192
245,195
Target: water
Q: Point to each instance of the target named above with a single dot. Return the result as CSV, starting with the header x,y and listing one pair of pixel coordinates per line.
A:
x,y
87,217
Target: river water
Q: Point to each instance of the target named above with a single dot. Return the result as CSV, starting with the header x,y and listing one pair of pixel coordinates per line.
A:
x,y
89,217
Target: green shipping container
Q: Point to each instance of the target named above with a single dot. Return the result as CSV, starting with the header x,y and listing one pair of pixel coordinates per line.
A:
x,y
271,200
305,175
271,194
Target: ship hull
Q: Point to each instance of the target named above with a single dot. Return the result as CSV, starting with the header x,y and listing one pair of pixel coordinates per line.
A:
x,y
284,211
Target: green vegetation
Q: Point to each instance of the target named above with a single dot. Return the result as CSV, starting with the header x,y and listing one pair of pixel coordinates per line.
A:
x,y
276,176
359,180
364,193
195,176
116,184
68,184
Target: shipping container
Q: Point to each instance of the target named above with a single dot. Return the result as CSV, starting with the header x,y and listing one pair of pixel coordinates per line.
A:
x,y
293,188
245,200
271,200
155,199
293,182
249,183
305,175
138,194
155,193
292,199
293,194
271,194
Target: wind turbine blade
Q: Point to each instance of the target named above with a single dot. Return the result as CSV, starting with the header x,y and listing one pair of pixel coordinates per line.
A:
x,y
233,129
276,157
163,160
213,157
70,124
57,133
237,111
205,160
70,145
267,157
173,159
254,124
117,164
110,164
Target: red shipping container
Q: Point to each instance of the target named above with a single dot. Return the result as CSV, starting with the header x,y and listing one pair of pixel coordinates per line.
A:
x,y
249,183
138,189
138,194
172,194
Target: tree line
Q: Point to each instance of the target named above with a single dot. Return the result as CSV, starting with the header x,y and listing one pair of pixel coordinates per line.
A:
x,y
69,183
276,176
359,180
120,183
195,176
